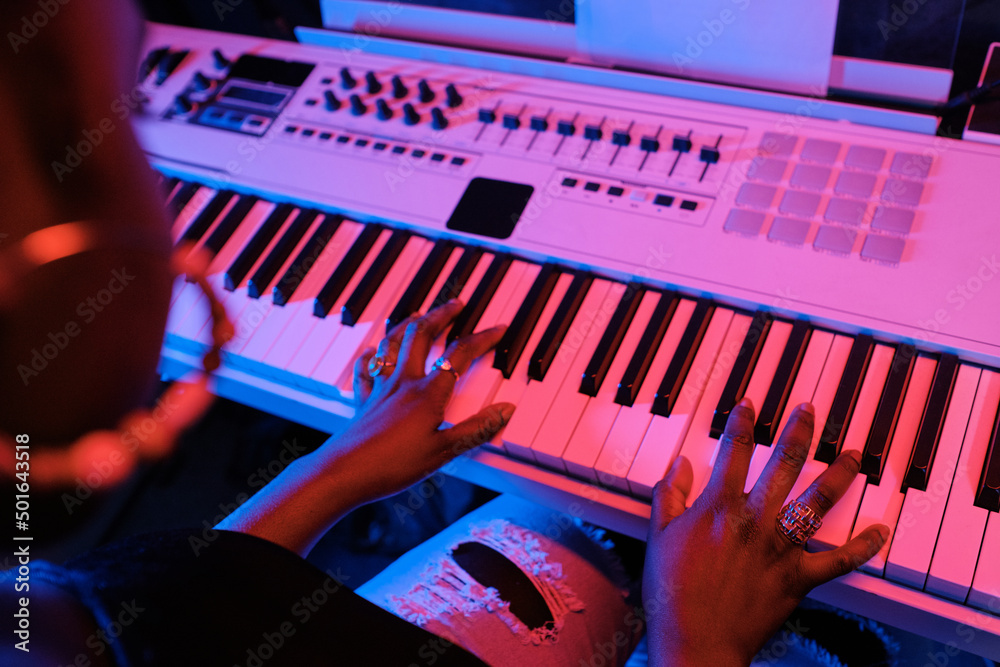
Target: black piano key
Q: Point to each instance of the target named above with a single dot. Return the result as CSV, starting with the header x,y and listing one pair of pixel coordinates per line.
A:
x,y
607,347
224,230
241,266
844,400
337,282
468,319
673,379
886,415
300,266
167,185
207,216
918,469
281,251
988,489
781,386
418,289
508,351
739,376
455,283
182,196
638,366
555,332
354,307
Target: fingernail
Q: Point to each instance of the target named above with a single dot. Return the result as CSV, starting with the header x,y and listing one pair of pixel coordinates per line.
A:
x,y
455,302
506,412
746,403
883,532
854,454
807,408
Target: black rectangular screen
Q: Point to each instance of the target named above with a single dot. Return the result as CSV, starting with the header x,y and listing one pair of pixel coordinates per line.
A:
x,y
255,95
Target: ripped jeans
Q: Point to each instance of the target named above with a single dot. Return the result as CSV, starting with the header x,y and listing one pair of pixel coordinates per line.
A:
x,y
516,584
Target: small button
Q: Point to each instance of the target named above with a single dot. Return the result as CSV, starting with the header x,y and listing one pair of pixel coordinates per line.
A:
x,y
835,239
689,205
846,211
569,182
454,99
425,92
592,132
308,133
649,144
883,248
380,146
911,165
361,142
592,187
620,138
399,150
438,119
374,86
756,196
638,195
311,102
437,157
820,151
898,191
781,145
418,153
487,116
789,230
865,158
566,128
346,79
855,184
709,155
511,121
326,136
291,129
458,161
681,144
810,177
343,139
216,113
743,221
766,169
255,122
663,200
616,191
539,124
326,81
895,220
802,204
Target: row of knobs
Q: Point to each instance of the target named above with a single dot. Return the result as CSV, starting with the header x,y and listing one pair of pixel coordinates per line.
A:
x,y
399,91
425,93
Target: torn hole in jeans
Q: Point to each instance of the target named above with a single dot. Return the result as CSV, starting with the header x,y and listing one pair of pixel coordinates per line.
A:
x,y
501,569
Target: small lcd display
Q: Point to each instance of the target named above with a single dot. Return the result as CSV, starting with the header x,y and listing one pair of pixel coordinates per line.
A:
x,y
255,95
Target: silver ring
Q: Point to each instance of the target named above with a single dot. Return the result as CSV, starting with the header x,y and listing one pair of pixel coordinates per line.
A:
x,y
378,365
443,364
798,522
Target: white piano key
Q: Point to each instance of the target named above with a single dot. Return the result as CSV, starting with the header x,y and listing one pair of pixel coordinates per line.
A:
x,y
538,397
699,446
630,425
300,347
337,365
253,354
760,382
822,400
559,423
985,591
476,388
882,503
920,518
599,415
963,525
837,523
666,436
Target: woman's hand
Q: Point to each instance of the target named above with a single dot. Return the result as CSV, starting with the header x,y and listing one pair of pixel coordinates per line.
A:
x,y
720,578
394,441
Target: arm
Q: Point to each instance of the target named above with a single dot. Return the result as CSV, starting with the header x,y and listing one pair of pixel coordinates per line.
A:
x,y
393,442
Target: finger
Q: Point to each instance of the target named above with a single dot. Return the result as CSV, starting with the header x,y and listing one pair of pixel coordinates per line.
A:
x,y
477,429
363,383
388,347
419,335
462,352
670,494
832,483
818,568
785,463
736,445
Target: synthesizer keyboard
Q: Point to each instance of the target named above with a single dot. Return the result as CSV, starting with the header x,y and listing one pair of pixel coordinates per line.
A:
x,y
658,259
